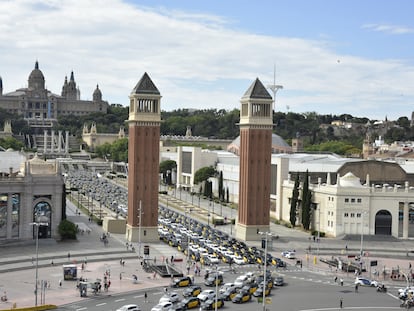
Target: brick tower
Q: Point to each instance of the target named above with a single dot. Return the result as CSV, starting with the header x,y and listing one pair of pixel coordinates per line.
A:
x,y
143,162
255,162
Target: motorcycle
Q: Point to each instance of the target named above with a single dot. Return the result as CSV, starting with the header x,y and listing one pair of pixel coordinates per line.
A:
x,y
381,289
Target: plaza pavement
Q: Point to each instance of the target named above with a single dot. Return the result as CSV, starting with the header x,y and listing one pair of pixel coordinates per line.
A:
x,y
18,261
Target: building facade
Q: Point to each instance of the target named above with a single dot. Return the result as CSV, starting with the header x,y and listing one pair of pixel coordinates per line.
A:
x,y
37,104
31,193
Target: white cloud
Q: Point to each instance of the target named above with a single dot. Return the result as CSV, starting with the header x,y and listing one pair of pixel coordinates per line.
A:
x,y
390,29
195,60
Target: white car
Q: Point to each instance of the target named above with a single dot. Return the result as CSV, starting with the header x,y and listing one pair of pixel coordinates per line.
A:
x,y
365,282
238,260
213,259
163,306
225,287
172,297
129,308
206,294
289,254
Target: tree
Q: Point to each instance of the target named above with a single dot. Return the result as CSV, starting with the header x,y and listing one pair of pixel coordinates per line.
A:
x,y
221,187
10,142
294,201
67,230
166,167
204,173
306,202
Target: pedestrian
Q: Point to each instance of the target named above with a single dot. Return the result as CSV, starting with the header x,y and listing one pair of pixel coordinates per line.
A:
x,y
341,302
32,260
356,287
120,276
336,279
342,282
166,289
120,261
60,283
145,297
172,259
69,256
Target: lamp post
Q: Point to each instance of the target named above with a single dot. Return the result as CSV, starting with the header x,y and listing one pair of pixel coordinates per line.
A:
x,y
319,227
217,281
266,234
362,235
187,219
36,225
139,231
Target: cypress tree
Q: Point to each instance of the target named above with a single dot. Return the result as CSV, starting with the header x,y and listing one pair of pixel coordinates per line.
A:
x,y
294,201
306,202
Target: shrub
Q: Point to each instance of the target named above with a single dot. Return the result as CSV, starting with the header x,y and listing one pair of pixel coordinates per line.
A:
x,y
67,230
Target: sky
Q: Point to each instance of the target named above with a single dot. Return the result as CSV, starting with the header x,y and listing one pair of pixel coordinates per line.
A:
x,y
331,56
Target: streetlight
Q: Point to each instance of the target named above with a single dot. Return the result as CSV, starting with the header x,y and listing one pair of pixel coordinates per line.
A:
x,y
217,281
362,237
266,234
139,231
37,224
187,219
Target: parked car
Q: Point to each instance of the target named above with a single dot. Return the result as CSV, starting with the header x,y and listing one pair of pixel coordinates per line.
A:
x,y
242,297
189,303
259,292
211,304
182,282
129,308
206,294
214,279
229,294
163,306
173,297
192,291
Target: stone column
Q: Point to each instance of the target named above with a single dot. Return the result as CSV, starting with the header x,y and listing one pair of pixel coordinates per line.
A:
x,y
9,216
405,220
51,141
60,142
45,142
66,142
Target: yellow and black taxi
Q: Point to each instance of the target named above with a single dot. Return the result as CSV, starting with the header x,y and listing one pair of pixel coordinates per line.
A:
x,y
192,291
229,294
211,304
182,282
259,292
214,279
189,303
242,297
251,288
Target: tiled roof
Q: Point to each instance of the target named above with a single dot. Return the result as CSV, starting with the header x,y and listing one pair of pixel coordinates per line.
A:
x,y
145,86
257,90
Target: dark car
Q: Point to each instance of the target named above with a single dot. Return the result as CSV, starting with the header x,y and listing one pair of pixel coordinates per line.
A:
x,y
214,279
242,297
189,303
211,304
192,291
182,282
229,294
259,292
279,281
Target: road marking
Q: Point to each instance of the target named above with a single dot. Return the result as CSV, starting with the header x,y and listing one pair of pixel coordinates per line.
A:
x,y
118,300
84,308
101,304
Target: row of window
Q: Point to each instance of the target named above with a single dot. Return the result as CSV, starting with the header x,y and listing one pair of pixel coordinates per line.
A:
x,y
352,215
353,200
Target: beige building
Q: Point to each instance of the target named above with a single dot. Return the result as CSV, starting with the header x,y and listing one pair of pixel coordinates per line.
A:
x,y
31,191
40,107
93,139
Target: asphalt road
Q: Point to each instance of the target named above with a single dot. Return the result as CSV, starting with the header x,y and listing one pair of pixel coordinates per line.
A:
x,y
303,291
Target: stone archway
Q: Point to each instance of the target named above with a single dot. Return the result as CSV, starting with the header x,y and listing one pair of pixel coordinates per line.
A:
x,y
383,223
42,213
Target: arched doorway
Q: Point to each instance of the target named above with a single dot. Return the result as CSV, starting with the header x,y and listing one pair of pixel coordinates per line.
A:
x,y
383,222
42,213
